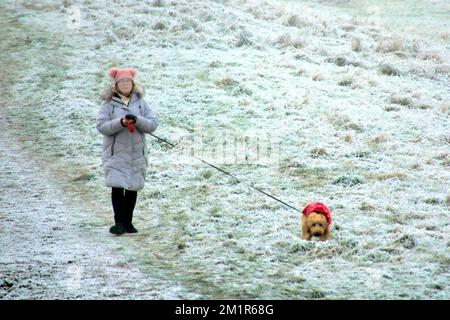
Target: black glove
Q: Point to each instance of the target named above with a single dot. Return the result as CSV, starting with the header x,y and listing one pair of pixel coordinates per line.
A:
x,y
131,117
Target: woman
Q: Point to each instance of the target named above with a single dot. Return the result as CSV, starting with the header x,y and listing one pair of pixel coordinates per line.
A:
x,y
124,119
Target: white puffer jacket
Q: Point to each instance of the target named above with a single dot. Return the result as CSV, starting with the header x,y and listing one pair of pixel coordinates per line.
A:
x,y
124,157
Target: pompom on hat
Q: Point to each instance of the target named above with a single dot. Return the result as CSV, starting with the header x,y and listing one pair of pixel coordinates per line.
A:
x,y
117,74
319,208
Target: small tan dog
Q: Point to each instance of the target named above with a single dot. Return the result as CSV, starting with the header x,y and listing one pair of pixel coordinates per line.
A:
x,y
316,220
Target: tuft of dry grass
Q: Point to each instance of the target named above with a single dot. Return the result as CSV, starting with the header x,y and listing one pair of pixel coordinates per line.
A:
x,y
433,201
401,100
445,139
420,106
227,82
359,154
349,180
300,72
159,26
158,3
294,20
401,54
390,45
318,77
445,108
186,24
388,176
215,64
391,108
46,7
431,55
445,35
407,241
416,166
444,158
356,21
348,138
318,152
356,44
244,38
346,81
364,206
344,122
343,61
381,138
389,70
287,41
348,27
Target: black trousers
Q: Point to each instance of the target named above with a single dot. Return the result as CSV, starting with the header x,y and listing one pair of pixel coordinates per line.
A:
x,y
123,202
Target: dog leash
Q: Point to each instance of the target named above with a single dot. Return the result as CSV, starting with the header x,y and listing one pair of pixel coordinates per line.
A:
x,y
231,175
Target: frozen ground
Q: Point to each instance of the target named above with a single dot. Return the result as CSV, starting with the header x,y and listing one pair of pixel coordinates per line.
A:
x,y
361,114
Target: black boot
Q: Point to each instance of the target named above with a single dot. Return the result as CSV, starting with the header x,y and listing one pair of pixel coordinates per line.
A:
x,y
130,202
118,229
130,228
118,203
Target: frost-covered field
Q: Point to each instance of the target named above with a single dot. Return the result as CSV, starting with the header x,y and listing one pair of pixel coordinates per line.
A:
x,y
358,116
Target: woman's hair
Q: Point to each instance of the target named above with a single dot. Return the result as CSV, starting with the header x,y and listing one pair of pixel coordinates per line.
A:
x,y
108,92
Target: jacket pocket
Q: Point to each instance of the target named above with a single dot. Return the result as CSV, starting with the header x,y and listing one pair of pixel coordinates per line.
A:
x,y
112,146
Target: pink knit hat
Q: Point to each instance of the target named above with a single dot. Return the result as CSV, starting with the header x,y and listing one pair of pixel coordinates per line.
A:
x,y
118,74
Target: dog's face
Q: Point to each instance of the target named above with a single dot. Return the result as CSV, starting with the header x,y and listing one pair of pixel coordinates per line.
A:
x,y
316,223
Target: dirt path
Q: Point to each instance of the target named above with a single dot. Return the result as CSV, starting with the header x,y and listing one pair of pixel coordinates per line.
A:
x,y
48,253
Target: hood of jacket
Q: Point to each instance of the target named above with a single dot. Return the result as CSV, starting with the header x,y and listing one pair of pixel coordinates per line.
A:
x,y
108,93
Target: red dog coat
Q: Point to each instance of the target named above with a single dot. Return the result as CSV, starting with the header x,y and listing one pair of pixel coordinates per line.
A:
x,y
319,208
